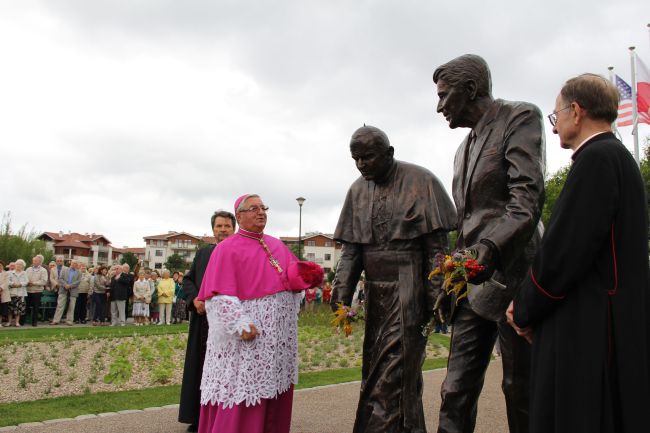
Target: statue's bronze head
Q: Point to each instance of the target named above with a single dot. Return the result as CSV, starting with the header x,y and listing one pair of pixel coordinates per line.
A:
x,y
372,153
460,83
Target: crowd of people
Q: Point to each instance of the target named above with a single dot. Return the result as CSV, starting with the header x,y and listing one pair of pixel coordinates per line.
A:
x,y
103,295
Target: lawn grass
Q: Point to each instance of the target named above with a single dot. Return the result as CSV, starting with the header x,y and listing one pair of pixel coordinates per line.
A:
x,y
85,332
72,406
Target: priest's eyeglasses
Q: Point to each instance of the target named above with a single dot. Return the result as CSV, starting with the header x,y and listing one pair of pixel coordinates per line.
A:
x,y
256,209
553,116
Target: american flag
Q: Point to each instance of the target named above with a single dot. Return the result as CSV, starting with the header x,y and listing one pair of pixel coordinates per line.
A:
x,y
625,108
625,105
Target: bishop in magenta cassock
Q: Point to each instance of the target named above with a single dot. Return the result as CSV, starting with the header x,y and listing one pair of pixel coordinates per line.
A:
x,y
251,290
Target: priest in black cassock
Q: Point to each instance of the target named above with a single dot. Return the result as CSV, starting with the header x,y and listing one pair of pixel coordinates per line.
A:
x,y
395,218
223,225
585,302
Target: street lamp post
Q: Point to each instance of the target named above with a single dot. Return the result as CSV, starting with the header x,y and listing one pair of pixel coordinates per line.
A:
x,y
300,201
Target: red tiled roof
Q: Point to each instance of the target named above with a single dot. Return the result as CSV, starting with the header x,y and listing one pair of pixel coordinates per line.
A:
x,y
156,237
72,244
170,235
131,250
74,236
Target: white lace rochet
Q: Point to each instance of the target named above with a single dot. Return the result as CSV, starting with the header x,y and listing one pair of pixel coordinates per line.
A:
x,y
237,371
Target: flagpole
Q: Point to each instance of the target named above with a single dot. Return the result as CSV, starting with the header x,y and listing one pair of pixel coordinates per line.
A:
x,y
634,107
610,68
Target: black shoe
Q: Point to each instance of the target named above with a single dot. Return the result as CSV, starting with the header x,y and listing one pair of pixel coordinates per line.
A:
x,y
192,428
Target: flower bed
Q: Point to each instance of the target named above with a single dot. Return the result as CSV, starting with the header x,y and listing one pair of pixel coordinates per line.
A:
x,y
66,365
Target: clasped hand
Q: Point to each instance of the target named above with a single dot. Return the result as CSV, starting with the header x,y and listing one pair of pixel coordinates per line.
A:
x,y
249,336
526,333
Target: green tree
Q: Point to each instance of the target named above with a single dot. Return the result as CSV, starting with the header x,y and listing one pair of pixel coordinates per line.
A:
x,y
645,165
202,244
176,263
294,250
332,273
553,186
555,182
130,259
21,244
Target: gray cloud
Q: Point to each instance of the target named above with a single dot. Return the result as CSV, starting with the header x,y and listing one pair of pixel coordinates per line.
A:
x,y
134,118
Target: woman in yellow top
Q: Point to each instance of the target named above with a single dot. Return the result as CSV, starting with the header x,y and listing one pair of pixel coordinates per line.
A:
x,y
166,289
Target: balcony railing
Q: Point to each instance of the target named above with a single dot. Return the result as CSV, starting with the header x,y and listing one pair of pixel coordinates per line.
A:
x,y
183,246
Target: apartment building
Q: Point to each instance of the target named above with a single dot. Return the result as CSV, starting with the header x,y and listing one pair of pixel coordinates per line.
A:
x,y
118,253
90,249
158,248
319,248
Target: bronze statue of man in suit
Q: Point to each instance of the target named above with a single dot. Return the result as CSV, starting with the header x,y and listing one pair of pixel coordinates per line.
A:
x,y
498,188
394,220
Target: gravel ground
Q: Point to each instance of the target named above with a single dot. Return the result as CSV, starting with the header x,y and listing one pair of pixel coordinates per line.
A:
x,y
319,410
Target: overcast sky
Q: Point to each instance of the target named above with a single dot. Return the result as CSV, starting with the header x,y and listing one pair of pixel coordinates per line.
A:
x,y
136,117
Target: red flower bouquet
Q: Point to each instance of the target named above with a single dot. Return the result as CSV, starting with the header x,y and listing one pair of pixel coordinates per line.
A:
x,y
456,270
304,275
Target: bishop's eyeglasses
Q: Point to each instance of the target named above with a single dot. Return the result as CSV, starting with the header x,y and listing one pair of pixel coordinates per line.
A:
x,y
553,116
256,209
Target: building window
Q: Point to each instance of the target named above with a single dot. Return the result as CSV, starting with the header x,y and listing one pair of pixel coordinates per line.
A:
x,y
159,253
311,243
328,257
310,256
328,244
160,243
158,266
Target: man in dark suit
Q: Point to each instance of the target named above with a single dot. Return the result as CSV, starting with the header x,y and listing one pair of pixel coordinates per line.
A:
x,y
223,225
498,188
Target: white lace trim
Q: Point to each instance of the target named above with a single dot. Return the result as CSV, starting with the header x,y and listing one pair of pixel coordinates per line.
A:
x,y
237,371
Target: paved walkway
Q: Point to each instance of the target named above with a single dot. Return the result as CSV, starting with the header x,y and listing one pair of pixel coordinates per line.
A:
x,y
327,409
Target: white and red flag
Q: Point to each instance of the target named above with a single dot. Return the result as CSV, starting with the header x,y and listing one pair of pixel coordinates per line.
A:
x,y
642,91
625,106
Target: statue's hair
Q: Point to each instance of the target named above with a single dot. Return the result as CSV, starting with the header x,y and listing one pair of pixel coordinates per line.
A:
x,y
378,136
468,67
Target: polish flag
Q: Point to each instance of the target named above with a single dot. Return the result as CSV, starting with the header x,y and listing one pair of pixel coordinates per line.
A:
x,y
642,91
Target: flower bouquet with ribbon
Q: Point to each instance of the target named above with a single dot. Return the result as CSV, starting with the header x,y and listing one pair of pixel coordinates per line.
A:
x,y
456,270
304,275
344,316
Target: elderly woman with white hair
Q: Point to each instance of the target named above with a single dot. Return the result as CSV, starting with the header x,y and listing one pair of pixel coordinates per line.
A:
x,y
17,282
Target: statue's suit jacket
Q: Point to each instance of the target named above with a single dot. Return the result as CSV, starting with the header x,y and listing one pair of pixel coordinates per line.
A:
x,y
498,186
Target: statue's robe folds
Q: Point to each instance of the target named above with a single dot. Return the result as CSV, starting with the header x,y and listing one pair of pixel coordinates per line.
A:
x,y
392,230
